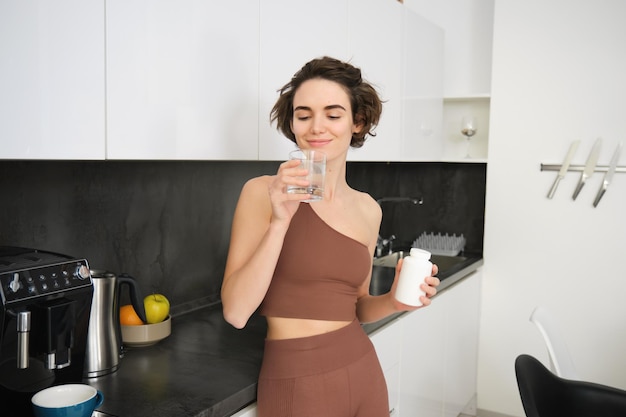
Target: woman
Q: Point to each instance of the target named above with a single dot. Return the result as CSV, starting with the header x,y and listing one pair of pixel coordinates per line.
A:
x,y
308,266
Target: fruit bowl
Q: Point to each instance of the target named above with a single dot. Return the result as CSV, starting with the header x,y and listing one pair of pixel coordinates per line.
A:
x,y
146,334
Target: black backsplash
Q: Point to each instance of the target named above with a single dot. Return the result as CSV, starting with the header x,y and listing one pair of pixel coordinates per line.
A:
x,y
167,223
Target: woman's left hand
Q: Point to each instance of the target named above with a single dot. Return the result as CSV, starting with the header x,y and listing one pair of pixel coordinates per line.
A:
x,y
429,286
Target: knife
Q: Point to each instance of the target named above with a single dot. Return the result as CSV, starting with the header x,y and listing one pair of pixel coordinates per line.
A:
x,y
608,177
564,167
590,166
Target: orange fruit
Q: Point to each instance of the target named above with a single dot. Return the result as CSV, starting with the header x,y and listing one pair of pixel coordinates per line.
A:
x,y
128,316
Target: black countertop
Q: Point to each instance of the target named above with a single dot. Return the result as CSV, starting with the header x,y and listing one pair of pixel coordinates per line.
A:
x,y
206,367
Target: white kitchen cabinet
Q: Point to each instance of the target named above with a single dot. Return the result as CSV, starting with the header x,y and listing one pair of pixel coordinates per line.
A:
x,y
468,26
404,62
291,34
182,79
422,138
461,321
386,341
422,361
52,79
379,55
196,80
440,353
467,70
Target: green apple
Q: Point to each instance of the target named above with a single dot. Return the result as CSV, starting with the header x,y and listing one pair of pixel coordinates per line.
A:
x,y
157,308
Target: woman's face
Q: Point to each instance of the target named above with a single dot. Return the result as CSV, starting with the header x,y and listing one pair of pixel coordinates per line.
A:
x,y
322,117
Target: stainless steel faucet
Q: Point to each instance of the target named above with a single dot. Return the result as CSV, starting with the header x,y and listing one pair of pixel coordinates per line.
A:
x,y
382,243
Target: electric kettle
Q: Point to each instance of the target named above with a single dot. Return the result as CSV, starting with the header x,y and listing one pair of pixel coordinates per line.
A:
x,y
104,338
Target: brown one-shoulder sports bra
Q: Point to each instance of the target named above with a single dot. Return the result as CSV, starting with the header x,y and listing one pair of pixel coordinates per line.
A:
x,y
318,272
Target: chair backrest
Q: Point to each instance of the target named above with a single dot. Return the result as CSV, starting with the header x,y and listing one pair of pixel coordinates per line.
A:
x,y
545,394
536,387
560,359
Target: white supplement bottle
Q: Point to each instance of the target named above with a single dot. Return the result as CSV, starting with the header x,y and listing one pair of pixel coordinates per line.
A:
x,y
415,268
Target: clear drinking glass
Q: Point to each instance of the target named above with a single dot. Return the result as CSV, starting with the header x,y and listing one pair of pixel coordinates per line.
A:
x,y
315,163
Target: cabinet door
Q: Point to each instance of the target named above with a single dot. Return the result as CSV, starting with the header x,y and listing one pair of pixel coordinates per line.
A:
x,y
422,138
462,304
182,79
291,34
52,79
378,52
422,359
468,43
387,344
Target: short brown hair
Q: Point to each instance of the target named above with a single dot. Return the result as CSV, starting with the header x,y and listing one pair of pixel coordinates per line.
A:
x,y
364,100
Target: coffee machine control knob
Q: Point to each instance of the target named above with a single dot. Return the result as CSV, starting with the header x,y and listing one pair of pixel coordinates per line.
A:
x,y
82,272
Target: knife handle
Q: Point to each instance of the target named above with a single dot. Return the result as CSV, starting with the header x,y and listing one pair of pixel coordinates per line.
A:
x,y
554,185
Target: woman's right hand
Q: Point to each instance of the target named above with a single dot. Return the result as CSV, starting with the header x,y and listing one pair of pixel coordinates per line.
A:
x,y
285,205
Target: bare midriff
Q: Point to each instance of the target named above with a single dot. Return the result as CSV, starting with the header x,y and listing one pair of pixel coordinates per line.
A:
x,y
290,328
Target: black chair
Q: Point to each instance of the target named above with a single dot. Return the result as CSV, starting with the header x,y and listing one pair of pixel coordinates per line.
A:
x,y
545,394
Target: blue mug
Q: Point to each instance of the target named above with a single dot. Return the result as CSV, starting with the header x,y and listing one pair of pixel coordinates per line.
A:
x,y
69,400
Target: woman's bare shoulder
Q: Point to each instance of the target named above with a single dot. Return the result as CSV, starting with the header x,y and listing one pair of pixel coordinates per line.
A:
x,y
260,181
257,187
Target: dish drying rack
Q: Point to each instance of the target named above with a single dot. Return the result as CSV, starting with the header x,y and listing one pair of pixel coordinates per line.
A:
x,y
438,244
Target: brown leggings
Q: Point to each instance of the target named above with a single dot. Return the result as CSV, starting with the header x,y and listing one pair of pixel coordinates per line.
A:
x,y
334,374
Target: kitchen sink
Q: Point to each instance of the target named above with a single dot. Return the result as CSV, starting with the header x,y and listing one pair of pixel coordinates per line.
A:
x,y
388,260
382,278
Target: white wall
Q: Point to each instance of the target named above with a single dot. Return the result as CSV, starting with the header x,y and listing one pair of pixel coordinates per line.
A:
x,y
558,75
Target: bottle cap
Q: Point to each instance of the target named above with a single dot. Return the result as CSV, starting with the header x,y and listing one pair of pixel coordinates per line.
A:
x,y
420,253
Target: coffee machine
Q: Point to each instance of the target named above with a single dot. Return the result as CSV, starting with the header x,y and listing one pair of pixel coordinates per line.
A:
x,y
44,317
